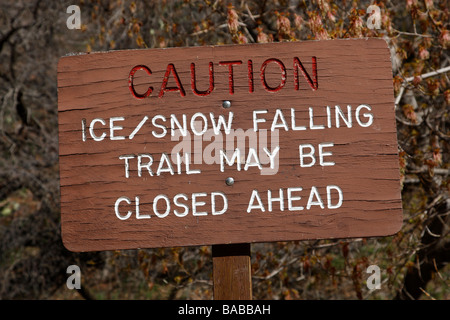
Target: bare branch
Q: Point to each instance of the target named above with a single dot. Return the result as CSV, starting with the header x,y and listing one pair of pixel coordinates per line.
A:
x,y
421,77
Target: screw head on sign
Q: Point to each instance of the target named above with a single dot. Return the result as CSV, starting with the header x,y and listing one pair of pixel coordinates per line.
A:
x,y
229,181
226,104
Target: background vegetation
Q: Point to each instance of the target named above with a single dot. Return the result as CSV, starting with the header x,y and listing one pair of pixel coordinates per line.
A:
x,y
33,261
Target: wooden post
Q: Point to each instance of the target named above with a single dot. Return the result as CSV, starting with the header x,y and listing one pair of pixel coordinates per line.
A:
x,y
232,276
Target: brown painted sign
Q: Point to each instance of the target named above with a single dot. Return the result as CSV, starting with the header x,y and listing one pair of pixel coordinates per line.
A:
x,y
227,144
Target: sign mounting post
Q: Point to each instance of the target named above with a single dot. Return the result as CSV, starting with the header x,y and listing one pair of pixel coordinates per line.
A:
x,y
232,278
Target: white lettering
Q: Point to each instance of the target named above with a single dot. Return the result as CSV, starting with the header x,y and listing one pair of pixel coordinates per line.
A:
x,y
235,158
340,114
116,208
138,215
279,114
213,203
127,165
256,120
293,198
186,208
322,154
312,126
272,156
163,128
252,162
168,168
193,123
221,122
340,199
279,199
196,204
174,121
309,155
113,128
147,165
310,203
368,116
91,129
155,206
294,127
251,206
162,205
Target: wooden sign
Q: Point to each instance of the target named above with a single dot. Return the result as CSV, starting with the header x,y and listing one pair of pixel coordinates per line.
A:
x,y
228,144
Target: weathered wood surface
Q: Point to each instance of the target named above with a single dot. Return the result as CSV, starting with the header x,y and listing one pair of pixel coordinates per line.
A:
x,y
92,177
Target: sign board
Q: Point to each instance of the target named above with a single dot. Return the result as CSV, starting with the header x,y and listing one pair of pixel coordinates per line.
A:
x,y
227,144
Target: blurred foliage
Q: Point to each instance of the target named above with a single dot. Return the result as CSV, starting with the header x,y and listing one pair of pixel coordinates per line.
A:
x,y
33,262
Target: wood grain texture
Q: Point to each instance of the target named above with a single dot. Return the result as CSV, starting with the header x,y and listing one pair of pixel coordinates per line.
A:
x,y
232,272
92,177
